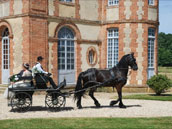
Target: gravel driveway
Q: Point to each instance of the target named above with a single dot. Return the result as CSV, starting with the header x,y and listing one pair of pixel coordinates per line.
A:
x,y
135,108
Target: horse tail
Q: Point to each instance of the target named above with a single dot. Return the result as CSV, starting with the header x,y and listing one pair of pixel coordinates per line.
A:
x,y
78,87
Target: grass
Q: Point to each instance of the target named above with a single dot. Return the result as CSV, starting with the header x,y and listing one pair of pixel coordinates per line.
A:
x,y
89,123
163,97
165,71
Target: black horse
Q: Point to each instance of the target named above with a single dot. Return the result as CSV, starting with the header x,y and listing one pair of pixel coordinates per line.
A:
x,y
115,77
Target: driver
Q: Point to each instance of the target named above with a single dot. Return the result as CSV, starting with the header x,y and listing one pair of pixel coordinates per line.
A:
x,y
38,69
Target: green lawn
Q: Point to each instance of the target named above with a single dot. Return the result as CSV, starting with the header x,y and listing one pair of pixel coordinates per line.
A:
x,y
89,123
165,71
163,97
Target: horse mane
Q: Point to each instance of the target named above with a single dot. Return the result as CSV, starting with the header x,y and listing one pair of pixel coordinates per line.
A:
x,y
122,61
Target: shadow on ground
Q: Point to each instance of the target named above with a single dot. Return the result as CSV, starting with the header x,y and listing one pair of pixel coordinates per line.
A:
x,y
40,108
116,106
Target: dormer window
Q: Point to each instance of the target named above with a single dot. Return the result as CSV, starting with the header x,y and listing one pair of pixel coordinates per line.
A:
x,y
151,2
113,2
66,0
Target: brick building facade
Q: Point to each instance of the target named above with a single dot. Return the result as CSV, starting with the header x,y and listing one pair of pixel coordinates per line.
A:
x,y
74,35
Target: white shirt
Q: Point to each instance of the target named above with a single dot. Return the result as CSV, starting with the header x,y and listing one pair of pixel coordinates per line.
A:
x,y
38,69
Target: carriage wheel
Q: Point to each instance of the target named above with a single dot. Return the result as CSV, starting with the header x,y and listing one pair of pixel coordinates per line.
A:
x,y
55,100
21,102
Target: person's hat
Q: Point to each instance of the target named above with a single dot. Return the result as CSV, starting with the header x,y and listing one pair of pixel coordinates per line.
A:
x,y
39,58
26,65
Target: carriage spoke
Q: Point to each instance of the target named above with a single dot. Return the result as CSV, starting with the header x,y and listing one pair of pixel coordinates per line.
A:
x,y
21,101
54,100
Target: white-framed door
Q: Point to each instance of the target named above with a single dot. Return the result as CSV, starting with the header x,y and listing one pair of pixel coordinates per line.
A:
x,y
66,56
151,52
5,60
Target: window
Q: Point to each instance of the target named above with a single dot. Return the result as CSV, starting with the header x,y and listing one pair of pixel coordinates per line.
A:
x,y
5,48
151,40
66,55
91,56
113,2
112,47
151,2
5,33
66,0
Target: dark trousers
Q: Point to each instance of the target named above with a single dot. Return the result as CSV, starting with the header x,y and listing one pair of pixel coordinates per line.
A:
x,y
51,82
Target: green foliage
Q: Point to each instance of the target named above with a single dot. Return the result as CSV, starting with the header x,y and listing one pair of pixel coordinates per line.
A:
x,y
159,83
88,123
164,49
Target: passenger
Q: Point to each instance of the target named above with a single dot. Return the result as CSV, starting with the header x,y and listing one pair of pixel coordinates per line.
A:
x,y
38,69
21,83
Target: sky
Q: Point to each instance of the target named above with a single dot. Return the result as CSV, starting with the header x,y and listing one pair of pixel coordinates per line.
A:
x,y
165,16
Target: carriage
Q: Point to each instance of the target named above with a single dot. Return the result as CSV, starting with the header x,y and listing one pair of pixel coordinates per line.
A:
x,y
20,98
87,80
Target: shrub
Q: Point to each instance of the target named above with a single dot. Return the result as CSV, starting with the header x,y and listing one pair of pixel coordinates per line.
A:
x,y
159,83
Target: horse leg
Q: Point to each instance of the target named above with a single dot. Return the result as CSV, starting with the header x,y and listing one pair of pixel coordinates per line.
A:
x,y
91,94
119,90
79,102
113,102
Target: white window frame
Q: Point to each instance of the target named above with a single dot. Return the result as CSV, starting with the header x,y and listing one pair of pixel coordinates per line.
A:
x,y
151,47
151,2
112,47
113,2
5,68
66,42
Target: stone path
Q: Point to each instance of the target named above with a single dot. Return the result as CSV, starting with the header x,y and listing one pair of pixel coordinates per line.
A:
x,y
135,108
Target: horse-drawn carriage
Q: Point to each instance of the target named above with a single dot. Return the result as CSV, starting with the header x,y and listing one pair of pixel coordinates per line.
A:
x,y
87,80
20,98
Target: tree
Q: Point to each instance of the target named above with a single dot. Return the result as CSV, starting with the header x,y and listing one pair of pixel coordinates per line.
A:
x,y
164,49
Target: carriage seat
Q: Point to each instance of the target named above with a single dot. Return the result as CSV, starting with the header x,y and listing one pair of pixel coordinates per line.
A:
x,y
40,81
18,77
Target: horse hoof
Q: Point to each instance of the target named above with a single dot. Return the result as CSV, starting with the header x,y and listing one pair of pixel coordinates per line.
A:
x,y
97,105
122,106
79,107
113,103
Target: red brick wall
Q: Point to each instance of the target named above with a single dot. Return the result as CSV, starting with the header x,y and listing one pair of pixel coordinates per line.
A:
x,y
77,8
39,7
121,10
54,62
39,40
56,11
133,46
25,6
11,7
145,53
